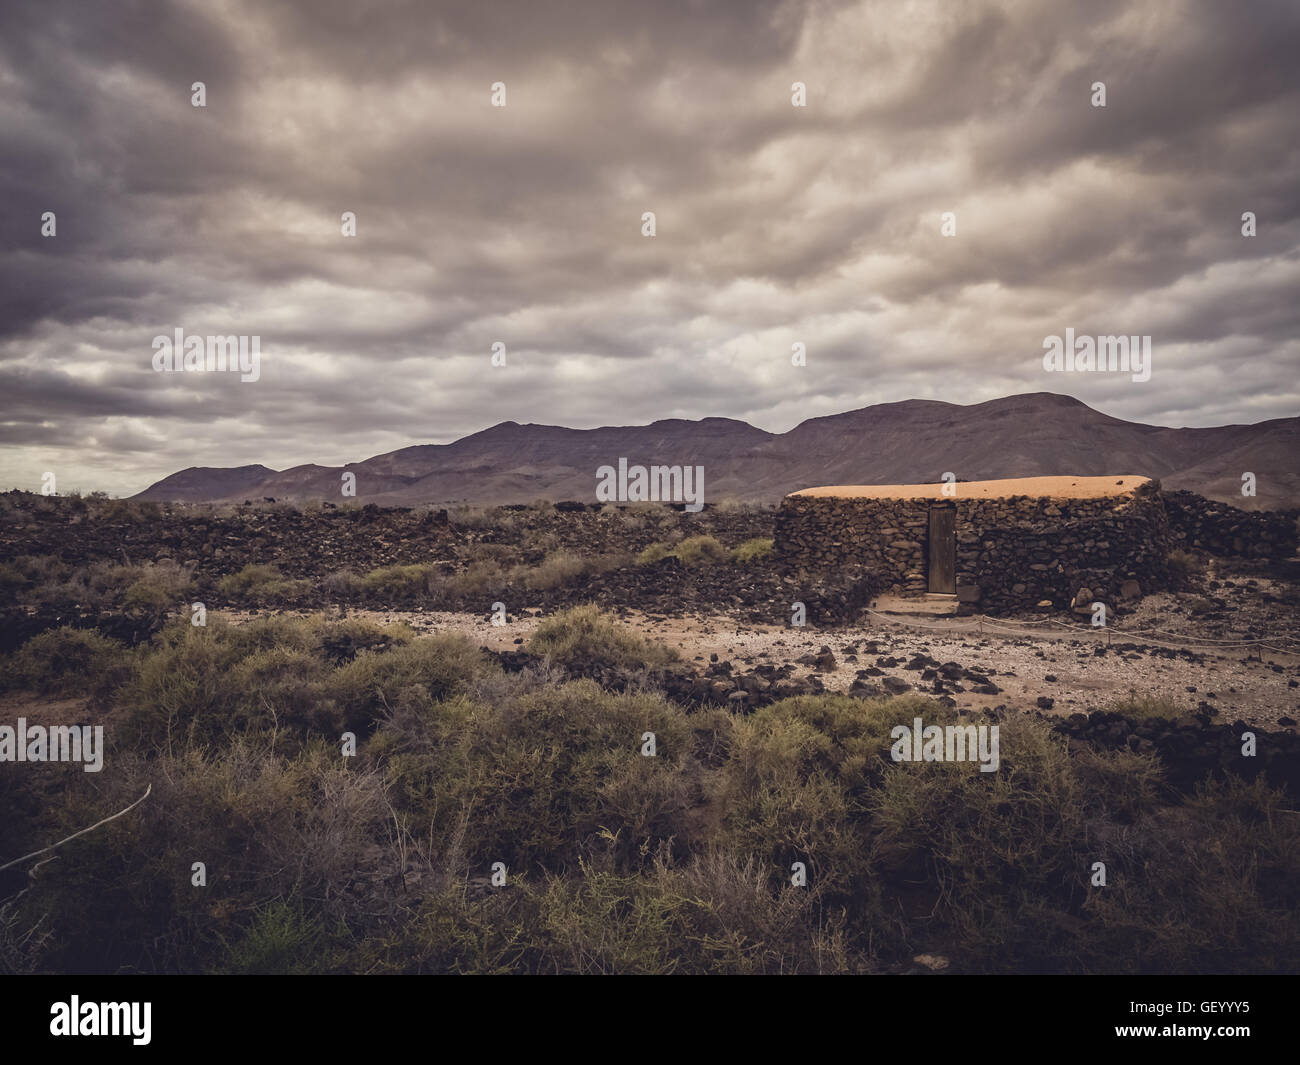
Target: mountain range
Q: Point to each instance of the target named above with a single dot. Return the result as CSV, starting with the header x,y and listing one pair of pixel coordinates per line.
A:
x,y
914,441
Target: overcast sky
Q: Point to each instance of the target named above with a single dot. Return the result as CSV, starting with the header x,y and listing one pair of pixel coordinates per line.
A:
x,y
522,224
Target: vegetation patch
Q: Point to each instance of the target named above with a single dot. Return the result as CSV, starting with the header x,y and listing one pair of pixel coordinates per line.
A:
x,y
588,635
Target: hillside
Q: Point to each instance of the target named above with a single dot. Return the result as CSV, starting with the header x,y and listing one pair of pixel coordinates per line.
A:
x,y
1034,435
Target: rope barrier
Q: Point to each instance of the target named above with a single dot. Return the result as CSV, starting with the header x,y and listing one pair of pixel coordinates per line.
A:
x,y
1017,628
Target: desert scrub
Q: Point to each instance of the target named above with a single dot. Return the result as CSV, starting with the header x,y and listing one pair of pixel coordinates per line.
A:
x,y
181,693
795,785
281,688
284,939
403,582
436,667
68,661
712,914
268,827
41,579
259,584
700,551
150,587
159,587
341,640
756,550
1144,707
656,552
545,778
811,779
11,579
1205,887
476,579
200,685
1006,855
563,567
344,583
480,551
559,567
586,634
693,551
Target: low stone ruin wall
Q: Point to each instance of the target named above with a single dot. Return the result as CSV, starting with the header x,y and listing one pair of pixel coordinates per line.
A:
x,y
1219,529
1011,553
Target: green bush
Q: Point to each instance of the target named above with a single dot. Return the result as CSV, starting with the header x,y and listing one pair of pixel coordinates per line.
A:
x,y
478,579
756,550
342,639
68,661
434,666
344,583
700,551
586,634
654,553
547,778
693,551
1208,887
991,856
283,940
711,915
182,691
159,588
1140,707
267,827
261,584
12,579
399,581
198,684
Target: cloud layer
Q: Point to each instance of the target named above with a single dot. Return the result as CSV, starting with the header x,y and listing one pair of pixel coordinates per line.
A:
x,y
776,224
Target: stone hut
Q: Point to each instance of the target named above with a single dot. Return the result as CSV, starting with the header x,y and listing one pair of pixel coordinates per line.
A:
x,y
1002,545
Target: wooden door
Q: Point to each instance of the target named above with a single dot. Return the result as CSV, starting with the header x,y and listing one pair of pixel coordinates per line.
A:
x,y
943,548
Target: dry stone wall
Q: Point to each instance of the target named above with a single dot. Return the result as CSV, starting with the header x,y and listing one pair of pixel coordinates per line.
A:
x,y
1205,525
1011,553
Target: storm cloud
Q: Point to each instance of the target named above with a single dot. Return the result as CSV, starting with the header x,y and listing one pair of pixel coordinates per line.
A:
x,y
522,224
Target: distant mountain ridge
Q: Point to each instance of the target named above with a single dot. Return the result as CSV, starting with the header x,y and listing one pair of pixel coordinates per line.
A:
x,y
1036,434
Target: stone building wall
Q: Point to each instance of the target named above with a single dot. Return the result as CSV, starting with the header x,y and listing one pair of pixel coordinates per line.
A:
x,y
1011,552
1219,529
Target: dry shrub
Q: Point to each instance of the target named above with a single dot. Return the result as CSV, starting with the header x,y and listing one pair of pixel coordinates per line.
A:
x,y
68,661
545,778
257,583
588,635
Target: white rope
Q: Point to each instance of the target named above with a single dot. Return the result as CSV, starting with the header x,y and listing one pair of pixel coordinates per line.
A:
x,y
1109,632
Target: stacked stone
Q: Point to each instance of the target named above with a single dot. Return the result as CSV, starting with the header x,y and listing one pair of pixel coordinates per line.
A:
x,y
887,536
1016,551
1219,529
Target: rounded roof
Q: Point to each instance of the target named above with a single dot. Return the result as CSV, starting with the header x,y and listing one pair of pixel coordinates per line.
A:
x,y
1036,487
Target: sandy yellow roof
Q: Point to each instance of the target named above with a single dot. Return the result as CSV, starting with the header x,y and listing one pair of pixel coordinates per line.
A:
x,y
1037,487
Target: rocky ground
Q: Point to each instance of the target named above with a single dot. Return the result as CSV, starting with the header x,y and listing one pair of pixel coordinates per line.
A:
x,y
1204,699
1060,670
1225,648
